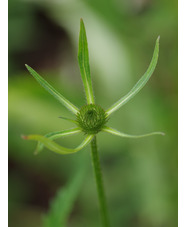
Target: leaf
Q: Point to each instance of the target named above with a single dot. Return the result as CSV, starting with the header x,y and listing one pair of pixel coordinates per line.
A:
x,y
62,205
118,133
83,59
52,91
55,135
140,84
51,145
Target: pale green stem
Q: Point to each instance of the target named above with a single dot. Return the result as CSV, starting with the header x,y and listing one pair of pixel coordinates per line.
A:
x,y
99,183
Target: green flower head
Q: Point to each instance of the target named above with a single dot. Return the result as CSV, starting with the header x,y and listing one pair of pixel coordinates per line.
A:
x,y
90,118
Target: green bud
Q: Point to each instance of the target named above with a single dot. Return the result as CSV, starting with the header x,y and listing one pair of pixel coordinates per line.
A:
x,y
91,118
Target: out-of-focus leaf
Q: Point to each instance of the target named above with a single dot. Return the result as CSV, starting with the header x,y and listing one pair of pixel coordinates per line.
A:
x,y
62,205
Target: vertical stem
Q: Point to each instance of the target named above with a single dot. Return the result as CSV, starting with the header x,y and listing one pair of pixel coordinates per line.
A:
x,y
99,183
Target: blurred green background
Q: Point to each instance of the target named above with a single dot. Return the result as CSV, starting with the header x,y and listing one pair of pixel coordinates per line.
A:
x,y
140,175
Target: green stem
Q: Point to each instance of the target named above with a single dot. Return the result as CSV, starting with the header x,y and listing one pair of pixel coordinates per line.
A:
x,y
99,183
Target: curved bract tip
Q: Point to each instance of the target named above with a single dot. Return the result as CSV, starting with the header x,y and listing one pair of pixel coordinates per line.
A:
x,y
121,134
24,137
51,145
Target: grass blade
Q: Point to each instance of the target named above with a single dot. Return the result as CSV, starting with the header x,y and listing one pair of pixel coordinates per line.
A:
x,y
83,59
56,135
52,91
118,133
51,145
62,205
140,84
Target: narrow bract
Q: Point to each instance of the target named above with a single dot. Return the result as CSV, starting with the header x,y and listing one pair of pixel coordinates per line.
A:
x,y
140,84
83,59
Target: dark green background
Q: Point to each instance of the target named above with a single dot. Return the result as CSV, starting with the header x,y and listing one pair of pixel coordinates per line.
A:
x,y
140,175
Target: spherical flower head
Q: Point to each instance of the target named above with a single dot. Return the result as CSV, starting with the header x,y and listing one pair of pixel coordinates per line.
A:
x,y
91,118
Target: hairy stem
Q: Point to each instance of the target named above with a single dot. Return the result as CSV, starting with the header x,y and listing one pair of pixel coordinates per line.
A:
x,y
99,183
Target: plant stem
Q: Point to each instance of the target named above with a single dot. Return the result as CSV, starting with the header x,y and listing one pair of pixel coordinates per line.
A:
x,y
99,183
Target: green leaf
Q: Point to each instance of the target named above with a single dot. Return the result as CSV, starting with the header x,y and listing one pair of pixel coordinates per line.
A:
x,y
51,145
83,59
140,84
52,91
56,135
62,205
118,133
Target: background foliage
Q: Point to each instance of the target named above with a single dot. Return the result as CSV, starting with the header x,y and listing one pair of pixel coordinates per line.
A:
x,y
140,175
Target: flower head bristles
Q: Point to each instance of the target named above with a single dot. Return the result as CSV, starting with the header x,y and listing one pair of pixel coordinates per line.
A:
x,y
90,118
